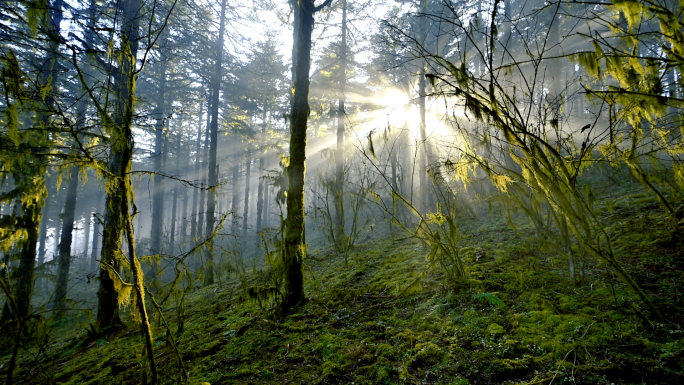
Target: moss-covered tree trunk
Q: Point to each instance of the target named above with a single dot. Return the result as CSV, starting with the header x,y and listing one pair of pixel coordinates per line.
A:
x,y
293,242
119,167
339,153
213,145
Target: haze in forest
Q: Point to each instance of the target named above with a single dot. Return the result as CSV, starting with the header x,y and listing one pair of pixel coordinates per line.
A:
x,y
151,152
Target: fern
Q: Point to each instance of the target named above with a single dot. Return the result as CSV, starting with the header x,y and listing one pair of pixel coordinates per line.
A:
x,y
490,299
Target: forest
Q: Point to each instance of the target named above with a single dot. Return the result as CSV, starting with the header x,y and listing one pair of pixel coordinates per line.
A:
x,y
341,192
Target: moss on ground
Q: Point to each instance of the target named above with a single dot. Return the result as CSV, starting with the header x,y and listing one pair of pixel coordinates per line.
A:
x,y
519,319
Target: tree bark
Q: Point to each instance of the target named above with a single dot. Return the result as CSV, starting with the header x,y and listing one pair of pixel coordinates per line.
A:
x,y
96,234
235,190
43,233
261,181
157,225
425,159
293,242
87,217
120,163
213,144
245,214
64,258
198,160
339,154
175,195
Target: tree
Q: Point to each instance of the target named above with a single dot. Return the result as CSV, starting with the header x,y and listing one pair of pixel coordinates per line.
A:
x,y
293,244
213,143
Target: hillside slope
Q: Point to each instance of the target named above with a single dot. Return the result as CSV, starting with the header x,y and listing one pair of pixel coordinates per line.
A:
x,y
517,320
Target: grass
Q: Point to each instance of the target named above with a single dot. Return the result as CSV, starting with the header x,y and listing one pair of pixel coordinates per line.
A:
x,y
519,319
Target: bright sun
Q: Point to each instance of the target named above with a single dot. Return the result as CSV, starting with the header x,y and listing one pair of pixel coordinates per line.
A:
x,y
395,99
399,108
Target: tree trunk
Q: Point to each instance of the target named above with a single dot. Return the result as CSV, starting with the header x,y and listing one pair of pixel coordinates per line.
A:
x,y
196,178
245,215
43,233
172,242
120,162
425,158
64,258
184,160
267,205
56,235
261,182
96,234
158,189
339,154
213,144
235,189
87,217
293,242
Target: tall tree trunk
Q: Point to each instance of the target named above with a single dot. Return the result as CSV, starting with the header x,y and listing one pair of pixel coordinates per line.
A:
x,y
64,258
293,242
157,226
261,181
235,188
120,163
213,144
175,195
87,217
183,169
198,160
267,204
245,215
56,235
425,158
339,154
43,233
203,200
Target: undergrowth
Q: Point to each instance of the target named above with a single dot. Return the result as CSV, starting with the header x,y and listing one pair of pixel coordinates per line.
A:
x,y
518,319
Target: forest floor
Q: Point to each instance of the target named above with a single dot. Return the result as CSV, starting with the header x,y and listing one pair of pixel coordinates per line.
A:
x,y
519,319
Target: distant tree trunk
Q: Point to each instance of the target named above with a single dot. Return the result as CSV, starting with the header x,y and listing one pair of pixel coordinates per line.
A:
x,y
267,204
198,159
64,258
96,234
159,144
293,241
203,200
339,154
261,181
184,159
245,215
425,157
175,195
43,233
56,235
86,231
235,188
213,144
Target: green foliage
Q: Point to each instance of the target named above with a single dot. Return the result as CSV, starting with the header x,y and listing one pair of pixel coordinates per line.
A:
x,y
489,298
